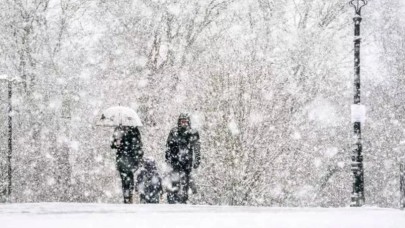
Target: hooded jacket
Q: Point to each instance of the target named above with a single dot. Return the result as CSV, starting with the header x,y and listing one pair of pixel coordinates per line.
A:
x,y
183,146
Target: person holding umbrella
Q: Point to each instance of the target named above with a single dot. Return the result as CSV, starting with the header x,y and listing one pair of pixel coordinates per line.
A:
x,y
127,141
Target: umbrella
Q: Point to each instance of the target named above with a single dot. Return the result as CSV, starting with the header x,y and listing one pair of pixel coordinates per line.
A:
x,y
119,115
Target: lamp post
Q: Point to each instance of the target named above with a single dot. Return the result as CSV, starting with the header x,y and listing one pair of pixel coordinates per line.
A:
x,y
357,197
402,183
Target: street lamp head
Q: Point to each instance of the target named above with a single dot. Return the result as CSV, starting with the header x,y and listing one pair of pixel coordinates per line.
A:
x,y
358,4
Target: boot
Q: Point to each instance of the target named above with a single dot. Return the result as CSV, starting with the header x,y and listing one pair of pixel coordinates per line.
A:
x,y
126,198
131,199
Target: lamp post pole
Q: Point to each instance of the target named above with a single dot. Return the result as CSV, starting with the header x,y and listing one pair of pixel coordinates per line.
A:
x,y
402,183
357,197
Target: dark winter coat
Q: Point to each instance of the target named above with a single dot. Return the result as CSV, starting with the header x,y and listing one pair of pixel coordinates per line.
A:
x,y
183,149
127,141
149,184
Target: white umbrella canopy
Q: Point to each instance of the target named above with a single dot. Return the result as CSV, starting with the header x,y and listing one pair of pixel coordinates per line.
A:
x,y
119,115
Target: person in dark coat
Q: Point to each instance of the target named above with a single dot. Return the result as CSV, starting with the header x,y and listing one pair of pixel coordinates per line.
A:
x,y
182,155
149,183
127,141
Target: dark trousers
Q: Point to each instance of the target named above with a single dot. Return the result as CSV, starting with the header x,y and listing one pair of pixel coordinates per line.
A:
x,y
180,186
128,185
127,165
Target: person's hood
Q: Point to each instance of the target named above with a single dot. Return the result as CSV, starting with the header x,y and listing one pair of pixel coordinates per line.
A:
x,y
184,116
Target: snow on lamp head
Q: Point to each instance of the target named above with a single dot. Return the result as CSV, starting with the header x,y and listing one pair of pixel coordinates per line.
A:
x,y
358,4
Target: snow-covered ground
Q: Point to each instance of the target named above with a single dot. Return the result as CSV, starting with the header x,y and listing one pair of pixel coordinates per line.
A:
x,y
75,215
